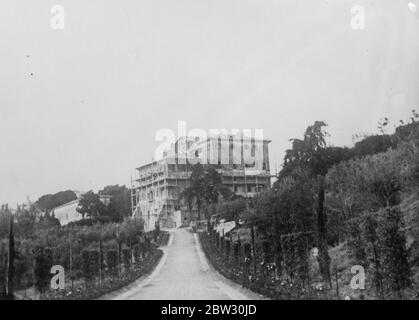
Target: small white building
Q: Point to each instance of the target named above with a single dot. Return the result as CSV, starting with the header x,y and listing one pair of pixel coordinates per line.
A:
x,y
67,212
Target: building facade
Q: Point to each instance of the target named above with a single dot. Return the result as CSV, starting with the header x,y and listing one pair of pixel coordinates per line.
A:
x,y
243,164
67,212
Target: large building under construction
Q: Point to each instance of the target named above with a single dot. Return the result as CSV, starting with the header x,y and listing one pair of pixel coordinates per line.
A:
x,y
242,162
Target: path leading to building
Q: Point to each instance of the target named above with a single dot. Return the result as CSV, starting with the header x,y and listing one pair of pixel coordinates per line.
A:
x,y
184,274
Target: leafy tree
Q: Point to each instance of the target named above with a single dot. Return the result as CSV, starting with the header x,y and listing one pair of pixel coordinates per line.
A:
x,y
49,220
355,241
95,263
374,144
112,262
126,258
43,264
5,215
312,154
373,250
386,252
205,189
195,192
197,187
188,196
379,143
91,206
87,266
394,253
3,269
268,208
212,183
120,203
51,201
368,183
294,221
408,130
26,221
232,210
23,263
213,189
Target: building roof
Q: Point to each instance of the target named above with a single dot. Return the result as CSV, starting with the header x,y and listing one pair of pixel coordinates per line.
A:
x,y
223,137
66,204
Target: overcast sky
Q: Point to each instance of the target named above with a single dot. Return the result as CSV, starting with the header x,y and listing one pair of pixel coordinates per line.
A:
x,y
80,107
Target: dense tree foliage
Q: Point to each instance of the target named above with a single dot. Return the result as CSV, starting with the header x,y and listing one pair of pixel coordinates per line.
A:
x,y
205,190
344,206
91,206
120,202
50,201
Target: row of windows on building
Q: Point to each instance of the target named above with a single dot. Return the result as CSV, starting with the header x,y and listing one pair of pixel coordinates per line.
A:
x,y
173,193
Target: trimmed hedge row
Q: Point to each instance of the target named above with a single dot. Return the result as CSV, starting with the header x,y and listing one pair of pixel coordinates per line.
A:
x,y
235,263
112,283
163,238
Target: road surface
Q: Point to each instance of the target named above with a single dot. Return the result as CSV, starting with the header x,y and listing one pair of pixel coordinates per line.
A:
x,y
183,274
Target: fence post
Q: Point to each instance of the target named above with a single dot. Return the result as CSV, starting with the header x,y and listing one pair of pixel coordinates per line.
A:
x,y
100,261
254,249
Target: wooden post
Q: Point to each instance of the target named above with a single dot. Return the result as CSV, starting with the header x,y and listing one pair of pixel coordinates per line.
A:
x,y
337,283
71,262
119,256
254,249
100,261
324,258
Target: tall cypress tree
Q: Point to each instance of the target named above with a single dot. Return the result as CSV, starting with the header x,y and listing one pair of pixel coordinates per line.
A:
x,y
3,268
312,153
371,237
395,255
11,267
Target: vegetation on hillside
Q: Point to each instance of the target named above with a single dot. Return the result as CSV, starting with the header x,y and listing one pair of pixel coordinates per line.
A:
x,y
332,208
50,201
32,241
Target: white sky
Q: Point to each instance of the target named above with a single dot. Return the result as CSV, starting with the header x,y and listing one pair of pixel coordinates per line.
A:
x,y
123,69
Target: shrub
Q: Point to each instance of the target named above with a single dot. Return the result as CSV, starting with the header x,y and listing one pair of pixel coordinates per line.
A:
x,y
94,262
43,264
3,268
384,237
86,267
394,254
137,253
126,258
112,262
